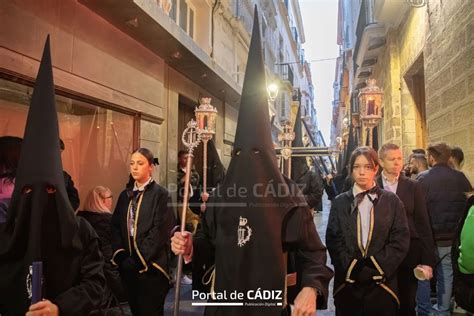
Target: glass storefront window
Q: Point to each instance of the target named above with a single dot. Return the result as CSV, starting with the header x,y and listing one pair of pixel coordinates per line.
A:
x,y
98,141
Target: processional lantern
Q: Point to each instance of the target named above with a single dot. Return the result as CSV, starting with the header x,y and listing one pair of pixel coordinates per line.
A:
x,y
201,129
370,102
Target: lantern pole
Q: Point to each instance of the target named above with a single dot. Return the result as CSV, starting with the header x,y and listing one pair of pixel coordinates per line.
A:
x,y
191,139
206,118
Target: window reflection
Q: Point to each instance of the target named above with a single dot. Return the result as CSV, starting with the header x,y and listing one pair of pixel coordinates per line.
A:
x,y
97,141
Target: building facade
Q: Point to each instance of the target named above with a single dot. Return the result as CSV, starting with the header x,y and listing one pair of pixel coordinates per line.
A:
x,y
130,75
420,52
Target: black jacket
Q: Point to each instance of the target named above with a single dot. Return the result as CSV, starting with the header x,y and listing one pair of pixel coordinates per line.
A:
x,y
446,200
388,243
101,222
422,248
154,221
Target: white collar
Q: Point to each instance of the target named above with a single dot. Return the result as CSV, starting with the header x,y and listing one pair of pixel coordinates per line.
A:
x,y
142,187
384,176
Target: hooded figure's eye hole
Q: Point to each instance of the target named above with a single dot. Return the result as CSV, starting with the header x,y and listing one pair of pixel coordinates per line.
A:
x,y
237,152
26,190
256,151
50,189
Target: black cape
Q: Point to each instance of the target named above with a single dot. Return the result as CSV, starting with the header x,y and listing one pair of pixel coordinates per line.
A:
x,y
41,224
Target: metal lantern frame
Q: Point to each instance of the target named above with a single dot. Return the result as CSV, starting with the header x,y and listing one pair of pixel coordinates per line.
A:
x,y
370,103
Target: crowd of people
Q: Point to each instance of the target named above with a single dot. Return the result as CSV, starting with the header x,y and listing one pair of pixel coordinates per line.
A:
x,y
393,231
432,205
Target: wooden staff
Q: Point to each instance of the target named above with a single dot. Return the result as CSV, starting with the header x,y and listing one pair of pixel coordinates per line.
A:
x,y
193,139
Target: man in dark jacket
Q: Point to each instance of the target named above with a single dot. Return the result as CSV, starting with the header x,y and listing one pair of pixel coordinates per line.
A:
x,y
421,252
446,200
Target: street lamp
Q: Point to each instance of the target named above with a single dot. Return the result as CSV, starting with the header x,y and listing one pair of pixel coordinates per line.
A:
x,y
272,90
345,122
370,100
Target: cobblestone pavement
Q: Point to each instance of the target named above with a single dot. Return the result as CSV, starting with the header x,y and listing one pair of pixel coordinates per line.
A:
x,y
186,309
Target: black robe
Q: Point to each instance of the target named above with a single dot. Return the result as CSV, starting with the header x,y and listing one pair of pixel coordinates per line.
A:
x,y
101,222
154,221
299,236
76,280
388,246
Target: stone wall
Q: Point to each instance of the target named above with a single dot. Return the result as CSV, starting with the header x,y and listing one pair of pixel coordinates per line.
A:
x,y
449,76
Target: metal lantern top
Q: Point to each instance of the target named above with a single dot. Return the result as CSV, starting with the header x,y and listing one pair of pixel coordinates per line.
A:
x,y
370,100
288,135
206,117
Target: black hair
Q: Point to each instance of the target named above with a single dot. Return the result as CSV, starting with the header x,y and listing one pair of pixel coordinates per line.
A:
x,y
421,159
147,154
440,152
10,149
457,153
419,151
182,152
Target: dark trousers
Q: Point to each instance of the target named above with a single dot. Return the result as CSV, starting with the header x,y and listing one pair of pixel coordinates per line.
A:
x,y
407,284
146,292
352,301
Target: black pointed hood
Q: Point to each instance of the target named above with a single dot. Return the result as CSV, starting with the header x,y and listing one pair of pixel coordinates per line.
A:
x,y
215,168
248,209
298,164
351,145
40,211
253,159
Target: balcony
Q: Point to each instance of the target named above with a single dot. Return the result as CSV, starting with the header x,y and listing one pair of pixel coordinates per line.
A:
x,y
148,24
286,74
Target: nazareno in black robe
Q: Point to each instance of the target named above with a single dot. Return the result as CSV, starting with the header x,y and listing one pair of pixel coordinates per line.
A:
x,y
254,216
41,224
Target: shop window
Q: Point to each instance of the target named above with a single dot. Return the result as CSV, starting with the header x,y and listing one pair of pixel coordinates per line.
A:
x,y
98,141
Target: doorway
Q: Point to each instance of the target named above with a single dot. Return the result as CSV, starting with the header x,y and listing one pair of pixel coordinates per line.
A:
x,y
415,79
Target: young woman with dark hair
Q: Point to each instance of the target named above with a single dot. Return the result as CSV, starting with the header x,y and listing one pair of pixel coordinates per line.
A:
x,y
367,238
141,224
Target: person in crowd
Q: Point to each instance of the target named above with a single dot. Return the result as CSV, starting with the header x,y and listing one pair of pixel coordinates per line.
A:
x,y
463,259
97,211
41,227
456,160
72,192
422,251
307,179
141,224
368,238
445,198
420,151
417,164
10,148
250,233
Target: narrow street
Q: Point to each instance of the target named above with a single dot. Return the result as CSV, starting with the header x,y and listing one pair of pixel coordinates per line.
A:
x,y
119,119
